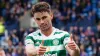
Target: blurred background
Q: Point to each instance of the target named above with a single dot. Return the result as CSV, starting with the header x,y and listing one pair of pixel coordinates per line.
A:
x,y
80,17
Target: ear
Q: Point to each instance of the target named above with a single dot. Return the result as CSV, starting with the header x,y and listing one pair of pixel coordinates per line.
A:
x,y
51,15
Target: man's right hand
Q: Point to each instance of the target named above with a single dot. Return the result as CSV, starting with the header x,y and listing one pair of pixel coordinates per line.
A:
x,y
41,50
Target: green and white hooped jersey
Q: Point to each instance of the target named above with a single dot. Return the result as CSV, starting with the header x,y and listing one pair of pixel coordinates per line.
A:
x,y
55,43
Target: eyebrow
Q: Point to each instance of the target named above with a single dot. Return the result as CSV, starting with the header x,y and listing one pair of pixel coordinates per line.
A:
x,y
42,17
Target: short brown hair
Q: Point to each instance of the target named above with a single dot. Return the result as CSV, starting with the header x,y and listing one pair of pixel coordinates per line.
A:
x,y
41,7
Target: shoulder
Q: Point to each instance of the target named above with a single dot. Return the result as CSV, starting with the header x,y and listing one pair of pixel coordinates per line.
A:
x,y
61,32
33,34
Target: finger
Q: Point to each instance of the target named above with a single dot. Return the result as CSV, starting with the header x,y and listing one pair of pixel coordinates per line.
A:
x,y
42,42
41,52
42,47
71,45
71,37
72,42
73,48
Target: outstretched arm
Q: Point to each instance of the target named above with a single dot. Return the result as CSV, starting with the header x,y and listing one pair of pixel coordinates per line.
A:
x,y
32,51
29,47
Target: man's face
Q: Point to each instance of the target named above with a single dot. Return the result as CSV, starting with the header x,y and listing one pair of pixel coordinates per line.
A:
x,y
43,19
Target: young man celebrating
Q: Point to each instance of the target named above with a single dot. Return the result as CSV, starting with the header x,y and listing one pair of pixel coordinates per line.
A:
x,y
48,41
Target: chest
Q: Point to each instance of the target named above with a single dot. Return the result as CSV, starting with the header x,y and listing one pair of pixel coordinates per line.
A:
x,y
49,42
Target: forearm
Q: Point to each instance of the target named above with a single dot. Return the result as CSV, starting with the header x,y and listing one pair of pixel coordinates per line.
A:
x,y
31,52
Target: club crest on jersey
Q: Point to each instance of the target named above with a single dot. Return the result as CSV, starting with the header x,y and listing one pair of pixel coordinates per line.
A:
x,y
55,41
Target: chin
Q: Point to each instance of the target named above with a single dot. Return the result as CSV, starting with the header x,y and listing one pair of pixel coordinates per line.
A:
x,y
45,29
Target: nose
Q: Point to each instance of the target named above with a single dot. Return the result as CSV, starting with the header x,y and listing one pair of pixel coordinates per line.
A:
x,y
41,21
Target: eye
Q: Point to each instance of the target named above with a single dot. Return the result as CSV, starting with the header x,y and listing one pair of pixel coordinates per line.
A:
x,y
44,17
37,18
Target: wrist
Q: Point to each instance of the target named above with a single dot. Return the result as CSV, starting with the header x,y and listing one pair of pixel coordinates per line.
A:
x,y
36,52
77,51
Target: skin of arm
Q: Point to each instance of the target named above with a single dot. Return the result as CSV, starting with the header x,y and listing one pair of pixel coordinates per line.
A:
x,y
73,52
72,47
30,50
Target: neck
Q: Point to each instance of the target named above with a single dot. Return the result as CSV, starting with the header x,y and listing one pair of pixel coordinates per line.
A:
x,y
48,32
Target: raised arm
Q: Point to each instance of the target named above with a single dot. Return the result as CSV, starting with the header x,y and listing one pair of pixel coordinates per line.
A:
x,y
72,47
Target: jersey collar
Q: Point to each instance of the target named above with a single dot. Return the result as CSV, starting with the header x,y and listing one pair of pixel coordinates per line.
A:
x,y
54,29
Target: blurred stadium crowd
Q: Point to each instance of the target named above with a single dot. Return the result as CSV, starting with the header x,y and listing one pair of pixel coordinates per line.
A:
x,y
80,17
